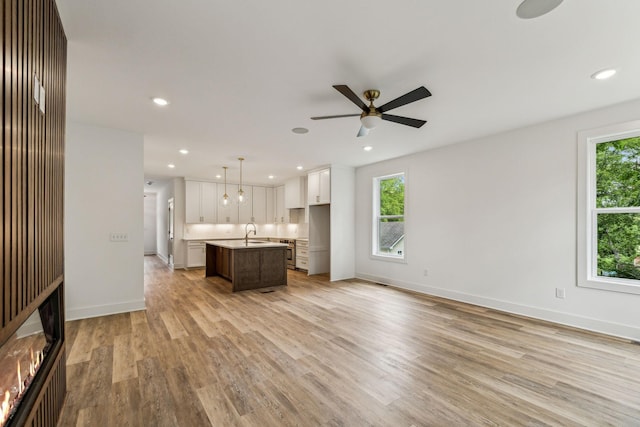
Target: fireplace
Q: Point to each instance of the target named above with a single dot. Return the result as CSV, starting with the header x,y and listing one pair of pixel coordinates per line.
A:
x,y
32,368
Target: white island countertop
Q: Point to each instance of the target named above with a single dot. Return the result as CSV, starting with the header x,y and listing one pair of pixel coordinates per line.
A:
x,y
240,244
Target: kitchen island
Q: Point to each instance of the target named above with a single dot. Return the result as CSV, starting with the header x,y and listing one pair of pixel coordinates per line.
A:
x,y
249,264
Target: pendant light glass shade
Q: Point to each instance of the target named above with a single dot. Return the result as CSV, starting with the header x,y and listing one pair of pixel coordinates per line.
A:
x,y
225,197
241,196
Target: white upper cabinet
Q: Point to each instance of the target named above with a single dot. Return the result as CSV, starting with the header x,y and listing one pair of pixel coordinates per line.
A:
x,y
270,215
192,202
200,202
319,187
245,209
260,206
282,215
294,193
228,214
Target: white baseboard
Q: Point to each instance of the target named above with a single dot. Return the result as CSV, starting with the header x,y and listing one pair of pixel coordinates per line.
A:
x,y
104,310
595,325
150,253
163,258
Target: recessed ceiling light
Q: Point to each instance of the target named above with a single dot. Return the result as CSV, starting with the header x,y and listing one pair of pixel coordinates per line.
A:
x,y
171,166
271,177
603,74
300,130
299,168
218,176
367,148
534,8
160,101
183,151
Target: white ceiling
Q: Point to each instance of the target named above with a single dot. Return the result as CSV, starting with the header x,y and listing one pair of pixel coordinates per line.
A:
x,y
241,74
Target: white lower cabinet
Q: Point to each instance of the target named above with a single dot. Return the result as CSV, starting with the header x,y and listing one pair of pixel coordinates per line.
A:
x,y
302,255
196,255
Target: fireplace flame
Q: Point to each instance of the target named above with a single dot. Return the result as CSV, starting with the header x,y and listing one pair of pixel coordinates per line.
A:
x,y
4,409
20,385
8,404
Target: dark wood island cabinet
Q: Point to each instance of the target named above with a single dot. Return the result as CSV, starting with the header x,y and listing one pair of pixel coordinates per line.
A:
x,y
247,265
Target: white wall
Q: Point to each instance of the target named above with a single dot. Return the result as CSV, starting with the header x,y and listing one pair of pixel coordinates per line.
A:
x,y
103,194
342,221
493,221
150,224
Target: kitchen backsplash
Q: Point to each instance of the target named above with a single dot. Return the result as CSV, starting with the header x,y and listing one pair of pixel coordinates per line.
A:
x,y
233,231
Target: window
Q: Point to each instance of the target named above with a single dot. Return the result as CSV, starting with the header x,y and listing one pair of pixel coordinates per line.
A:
x,y
388,211
609,203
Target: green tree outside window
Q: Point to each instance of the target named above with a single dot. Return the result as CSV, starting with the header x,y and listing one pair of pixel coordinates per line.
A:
x,y
618,187
392,196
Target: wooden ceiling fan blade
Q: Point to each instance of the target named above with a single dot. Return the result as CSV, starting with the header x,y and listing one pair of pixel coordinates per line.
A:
x,y
334,117
413,96
344,89
363,131
416,123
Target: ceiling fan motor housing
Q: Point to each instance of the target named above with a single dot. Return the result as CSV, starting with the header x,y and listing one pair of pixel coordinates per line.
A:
x,y
371,95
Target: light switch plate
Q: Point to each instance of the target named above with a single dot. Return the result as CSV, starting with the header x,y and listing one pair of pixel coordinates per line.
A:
x,y
118,237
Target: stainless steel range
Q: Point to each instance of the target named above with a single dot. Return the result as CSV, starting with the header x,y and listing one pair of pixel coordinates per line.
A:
x,y
291,252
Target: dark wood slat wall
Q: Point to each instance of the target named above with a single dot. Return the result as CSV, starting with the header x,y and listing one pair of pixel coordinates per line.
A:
x,y
51,400
32,164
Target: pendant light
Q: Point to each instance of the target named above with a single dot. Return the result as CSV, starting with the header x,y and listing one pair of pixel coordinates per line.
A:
x,y
225,197
240,190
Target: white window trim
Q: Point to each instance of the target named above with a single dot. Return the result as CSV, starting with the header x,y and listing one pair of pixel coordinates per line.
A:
x,y
374,220
586,237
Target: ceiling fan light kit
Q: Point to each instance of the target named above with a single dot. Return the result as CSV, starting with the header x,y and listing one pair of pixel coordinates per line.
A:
x,y
371,115
370,121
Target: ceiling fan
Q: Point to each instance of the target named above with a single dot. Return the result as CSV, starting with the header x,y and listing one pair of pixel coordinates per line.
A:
x,y
371,115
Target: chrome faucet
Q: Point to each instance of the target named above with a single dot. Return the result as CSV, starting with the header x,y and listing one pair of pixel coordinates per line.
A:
x,y
247,232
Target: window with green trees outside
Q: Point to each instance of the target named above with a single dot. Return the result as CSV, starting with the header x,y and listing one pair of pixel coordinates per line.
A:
x,y
388,229
616,213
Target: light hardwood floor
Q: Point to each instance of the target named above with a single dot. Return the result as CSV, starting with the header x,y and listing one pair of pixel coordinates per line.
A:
x,y
349,353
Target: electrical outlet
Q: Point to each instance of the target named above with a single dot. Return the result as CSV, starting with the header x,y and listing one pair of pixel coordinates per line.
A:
x,y
560,293
118,237
425,273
